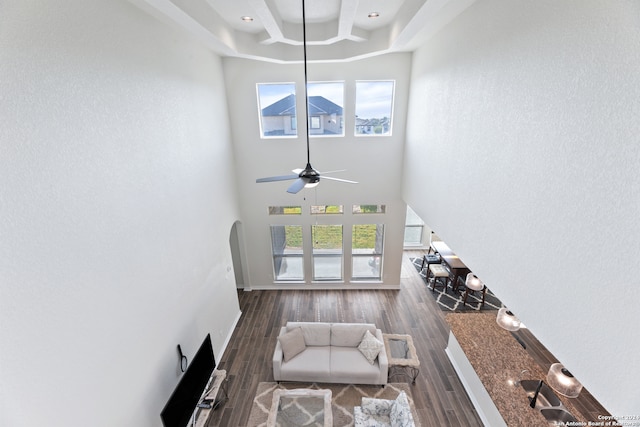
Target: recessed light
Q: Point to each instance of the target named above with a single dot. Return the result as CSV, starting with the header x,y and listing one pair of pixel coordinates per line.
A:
x,y
373,15
246,18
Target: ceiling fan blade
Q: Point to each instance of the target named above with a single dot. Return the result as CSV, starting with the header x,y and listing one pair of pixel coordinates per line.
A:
x,y
296,186
277,178
338,179
297,171
323,173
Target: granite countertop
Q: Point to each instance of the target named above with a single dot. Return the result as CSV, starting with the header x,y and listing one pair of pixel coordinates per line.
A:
x,y
498,360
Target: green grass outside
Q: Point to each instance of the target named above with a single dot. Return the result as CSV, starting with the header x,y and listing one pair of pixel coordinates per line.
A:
x,y
330,236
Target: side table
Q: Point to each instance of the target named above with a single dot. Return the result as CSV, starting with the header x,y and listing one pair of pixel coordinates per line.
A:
x,y
218,382
403,359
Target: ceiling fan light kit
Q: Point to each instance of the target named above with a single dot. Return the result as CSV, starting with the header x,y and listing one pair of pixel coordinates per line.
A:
x,y
307,177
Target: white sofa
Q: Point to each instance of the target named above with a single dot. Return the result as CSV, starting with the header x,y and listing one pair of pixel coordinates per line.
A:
x,y
330,354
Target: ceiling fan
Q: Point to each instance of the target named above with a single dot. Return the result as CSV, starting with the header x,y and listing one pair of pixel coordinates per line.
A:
x,y
307,177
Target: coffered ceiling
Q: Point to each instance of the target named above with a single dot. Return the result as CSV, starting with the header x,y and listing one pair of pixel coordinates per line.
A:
x,y
337,30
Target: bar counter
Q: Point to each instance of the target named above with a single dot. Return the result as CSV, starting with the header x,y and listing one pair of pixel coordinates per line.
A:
x,y
498,360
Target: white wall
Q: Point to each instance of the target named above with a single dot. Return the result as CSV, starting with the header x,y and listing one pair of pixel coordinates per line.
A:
x,y
523,129
117,201
375,162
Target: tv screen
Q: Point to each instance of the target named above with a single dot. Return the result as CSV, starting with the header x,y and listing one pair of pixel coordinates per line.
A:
x,y
186,396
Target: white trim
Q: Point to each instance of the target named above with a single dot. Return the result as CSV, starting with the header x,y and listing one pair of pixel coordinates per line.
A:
x,y
228,338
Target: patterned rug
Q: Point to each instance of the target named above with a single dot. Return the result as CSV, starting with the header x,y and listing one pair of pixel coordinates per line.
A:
x,y
449,300
343,399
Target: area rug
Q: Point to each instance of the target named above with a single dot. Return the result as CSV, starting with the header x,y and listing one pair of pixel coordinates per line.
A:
x,y
343,398
449,301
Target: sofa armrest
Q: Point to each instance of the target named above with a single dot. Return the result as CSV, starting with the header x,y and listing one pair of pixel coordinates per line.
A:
x,y
383,361
278,356
358,417
364,419
374,406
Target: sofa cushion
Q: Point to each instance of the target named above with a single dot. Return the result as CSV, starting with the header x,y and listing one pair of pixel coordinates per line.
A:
x,y
311,365
400,415
370,347
349,366
315,333
292,343
349,334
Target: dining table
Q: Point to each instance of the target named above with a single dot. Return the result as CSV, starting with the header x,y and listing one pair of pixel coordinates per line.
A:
x,y
453,262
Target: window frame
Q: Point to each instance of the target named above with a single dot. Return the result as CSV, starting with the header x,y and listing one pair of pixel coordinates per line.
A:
x,y
285,210
317,255
376,256
326,209
278,259
371,126
357,210
332,124
293,125
315,122
407,225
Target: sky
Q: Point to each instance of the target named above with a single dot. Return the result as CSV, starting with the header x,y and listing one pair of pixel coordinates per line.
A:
x,y
374,99
333,91
270,93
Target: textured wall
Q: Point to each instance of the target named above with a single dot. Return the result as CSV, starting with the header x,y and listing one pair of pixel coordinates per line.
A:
x,y
115,161
523,129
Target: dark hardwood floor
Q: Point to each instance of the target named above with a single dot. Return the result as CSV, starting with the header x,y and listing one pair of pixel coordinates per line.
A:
x,y
438,394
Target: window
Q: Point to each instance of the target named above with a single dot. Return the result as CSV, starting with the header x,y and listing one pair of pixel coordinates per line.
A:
x,y
369,209
413,229
277,106
327,209
367,251
327,252
326,100
315,122
286,246
285,210
374,107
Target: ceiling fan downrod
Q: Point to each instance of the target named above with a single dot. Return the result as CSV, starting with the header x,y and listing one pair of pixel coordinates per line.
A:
x,y
306,94
307,177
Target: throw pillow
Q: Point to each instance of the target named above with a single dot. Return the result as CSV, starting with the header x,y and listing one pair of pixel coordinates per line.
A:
x,y
370,347
400,415
292,343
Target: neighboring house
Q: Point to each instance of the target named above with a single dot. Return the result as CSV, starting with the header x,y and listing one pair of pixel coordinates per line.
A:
x,y
372,126
279,118
363,126
325,117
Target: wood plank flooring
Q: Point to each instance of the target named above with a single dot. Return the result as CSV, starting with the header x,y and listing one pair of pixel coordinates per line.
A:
x,y
438,394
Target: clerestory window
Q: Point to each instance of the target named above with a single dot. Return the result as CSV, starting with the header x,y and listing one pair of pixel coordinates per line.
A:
x,y
374,107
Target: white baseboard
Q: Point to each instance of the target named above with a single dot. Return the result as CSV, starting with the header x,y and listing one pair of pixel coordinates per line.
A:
x,y
229,335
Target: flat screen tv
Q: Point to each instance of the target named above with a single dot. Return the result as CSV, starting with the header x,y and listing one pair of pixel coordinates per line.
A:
x,y
186,396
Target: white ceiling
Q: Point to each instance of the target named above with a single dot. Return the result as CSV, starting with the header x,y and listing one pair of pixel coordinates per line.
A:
x,y
337,30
